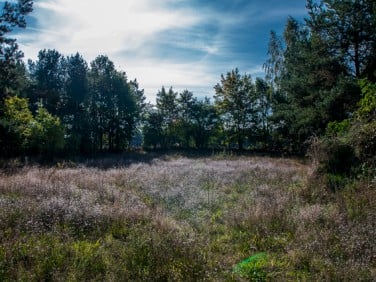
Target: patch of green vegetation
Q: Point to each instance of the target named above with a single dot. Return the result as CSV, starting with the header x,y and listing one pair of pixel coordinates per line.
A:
x,y
253,267
262,267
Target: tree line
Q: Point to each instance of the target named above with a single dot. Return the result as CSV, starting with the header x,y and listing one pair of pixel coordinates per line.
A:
x,y
66,106
318,74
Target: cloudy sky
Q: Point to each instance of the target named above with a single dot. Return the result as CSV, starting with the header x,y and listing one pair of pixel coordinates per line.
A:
x,y
179,43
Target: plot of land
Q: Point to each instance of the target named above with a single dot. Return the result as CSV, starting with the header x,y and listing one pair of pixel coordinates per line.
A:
x,y
175,218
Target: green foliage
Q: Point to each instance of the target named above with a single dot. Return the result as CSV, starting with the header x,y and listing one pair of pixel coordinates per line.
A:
x,y
12,16
197,120
111,106
47,133
262,126
180,120
236,101
98,107
152,129
362,134
367,104
49,75
336,128
310,94
18,121
348,149
168,110
203,123
74,114
350,29
312,71
335,182
336,157
43,133
363,138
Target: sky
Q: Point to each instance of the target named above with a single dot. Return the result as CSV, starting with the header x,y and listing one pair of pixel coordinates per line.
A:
x,y
186,44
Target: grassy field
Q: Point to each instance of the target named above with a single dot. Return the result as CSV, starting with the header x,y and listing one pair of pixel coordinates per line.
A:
x,y
176,218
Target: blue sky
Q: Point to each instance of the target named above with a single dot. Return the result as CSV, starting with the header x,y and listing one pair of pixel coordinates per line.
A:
x,y
179,43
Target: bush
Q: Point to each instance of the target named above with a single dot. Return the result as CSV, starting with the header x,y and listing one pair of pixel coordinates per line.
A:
x,y
348,146
364,142
335,181
43,132
333,156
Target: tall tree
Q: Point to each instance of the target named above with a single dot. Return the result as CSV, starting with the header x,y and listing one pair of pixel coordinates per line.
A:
x,y
112,108
314,88
204,122
264,111
274,64
12,16
138,95
77,82
139,115
152,127
99,101
75,116
167,108
126,112
12,70
350,28
185,103
49,74
235,99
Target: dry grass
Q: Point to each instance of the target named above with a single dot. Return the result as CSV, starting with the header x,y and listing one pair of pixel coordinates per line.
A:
x,y
178,218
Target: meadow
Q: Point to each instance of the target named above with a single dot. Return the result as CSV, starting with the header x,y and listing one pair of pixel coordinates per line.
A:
x,y
183,218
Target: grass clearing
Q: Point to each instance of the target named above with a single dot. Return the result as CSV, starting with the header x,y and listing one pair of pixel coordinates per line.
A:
x,y
178,218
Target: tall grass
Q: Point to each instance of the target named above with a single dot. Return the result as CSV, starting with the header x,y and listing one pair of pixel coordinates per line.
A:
x,y
183,219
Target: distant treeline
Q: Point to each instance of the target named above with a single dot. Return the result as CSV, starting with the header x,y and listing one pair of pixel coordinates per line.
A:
x,y
315,74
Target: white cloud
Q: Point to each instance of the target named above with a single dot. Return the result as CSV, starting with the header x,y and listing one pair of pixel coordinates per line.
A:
x,y
104,26
130,33
109,27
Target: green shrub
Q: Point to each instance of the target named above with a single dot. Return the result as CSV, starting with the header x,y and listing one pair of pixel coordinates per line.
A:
x,y
335,182
364,142
336,128
336,157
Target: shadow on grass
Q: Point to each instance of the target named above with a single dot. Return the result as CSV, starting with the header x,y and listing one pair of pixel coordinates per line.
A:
x,y
108,160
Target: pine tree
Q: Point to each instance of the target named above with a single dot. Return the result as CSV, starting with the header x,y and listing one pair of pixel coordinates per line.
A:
x,y
49,77
314,88
12,16
350,29
168,109
235,100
